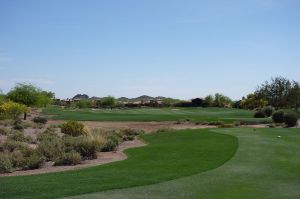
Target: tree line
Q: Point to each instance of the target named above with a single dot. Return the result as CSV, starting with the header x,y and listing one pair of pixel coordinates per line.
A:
x,y
279,93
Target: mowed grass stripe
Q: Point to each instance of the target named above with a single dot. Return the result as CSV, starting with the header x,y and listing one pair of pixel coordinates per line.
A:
x,y
264,166
167,156
151,114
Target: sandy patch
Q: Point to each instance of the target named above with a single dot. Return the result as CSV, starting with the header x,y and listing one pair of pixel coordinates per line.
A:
x,y
146,126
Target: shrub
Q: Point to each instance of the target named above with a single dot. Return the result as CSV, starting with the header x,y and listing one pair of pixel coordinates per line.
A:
x,y
47,135
180,121
98,137
39,119
19,127
278,117
271,125
253,122
111,143
17,158
6,165
38,126
34,161
237,123
73,128
163,130
4,131
26,125
268,111
81,144
86,148
290,119
69,158
51,147
11,145
226,126
259,114
130,134
19,136
215,123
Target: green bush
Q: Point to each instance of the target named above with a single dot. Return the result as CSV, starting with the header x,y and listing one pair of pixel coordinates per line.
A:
x,y
81,144
6,165
47,135
237,123
130,134
163,130
17,158
51,148
268,111
11,145
112,142
39,119
69,158
290,119
226,126
215,123
271,125
4,131
19,136
86,148
259,114
34,161
73,128
278,117
25,157
253,122
38,126
18,127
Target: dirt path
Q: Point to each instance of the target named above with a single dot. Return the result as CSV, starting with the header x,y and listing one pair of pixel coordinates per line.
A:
x,y
146,126
103,158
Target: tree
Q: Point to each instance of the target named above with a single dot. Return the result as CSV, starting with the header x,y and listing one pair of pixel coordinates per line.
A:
x,y
108,101
44,98
208,101
2,98
84,104
13,110
294,95
169,101
276,91
252,101
197,102
222,100
29,95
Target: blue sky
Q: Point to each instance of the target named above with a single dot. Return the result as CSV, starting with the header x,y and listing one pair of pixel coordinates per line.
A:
x,y
182,49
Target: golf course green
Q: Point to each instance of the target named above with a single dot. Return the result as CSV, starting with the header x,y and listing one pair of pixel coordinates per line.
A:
x,y
226,115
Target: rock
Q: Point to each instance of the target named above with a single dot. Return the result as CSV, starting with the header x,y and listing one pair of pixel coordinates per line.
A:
x,y
48,164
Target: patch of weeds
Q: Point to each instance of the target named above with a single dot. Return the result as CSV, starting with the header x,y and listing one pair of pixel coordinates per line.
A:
x,y
19,137
4,131
226,126
130,134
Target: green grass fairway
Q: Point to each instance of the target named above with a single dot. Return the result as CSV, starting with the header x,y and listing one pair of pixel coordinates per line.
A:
x,y
264,166
151,114
168,156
